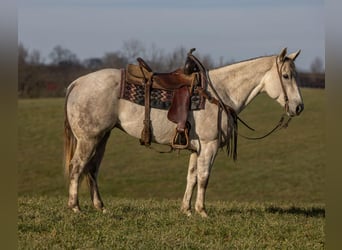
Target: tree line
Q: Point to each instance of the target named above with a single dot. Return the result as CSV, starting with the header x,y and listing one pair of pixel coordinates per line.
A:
x,y
37,78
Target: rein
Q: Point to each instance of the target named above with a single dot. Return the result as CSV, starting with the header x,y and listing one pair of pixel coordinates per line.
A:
x,y
283,122
232,129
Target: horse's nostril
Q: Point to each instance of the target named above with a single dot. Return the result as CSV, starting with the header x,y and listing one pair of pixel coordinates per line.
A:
x,y
299,109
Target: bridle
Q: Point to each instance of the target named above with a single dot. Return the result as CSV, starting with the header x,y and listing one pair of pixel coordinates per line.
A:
x,y
230,112
283,122
279,70
232,129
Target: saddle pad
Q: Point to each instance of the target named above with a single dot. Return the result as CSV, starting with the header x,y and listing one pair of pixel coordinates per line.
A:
x,y
134,74
160,98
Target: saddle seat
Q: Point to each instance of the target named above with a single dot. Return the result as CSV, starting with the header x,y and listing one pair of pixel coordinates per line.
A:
x,y
170,81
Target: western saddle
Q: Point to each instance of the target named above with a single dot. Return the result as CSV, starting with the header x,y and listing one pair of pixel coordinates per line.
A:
x,y
182,82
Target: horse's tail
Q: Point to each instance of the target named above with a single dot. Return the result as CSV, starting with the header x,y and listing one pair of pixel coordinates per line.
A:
x,y
70,141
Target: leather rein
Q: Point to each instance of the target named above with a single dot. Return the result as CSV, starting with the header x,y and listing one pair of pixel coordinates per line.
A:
x,y
283,122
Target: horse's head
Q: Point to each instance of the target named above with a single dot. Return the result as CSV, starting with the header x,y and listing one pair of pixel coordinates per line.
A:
x,y
281,83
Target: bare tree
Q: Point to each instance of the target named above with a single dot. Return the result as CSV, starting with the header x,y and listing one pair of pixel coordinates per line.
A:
x,y
207,61
114,60
177,58
36,78
132,49
60,55
35,58
93,63
317,65
22,54
156,58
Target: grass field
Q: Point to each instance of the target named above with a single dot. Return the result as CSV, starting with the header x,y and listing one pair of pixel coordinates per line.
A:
x,y
272,197
45,223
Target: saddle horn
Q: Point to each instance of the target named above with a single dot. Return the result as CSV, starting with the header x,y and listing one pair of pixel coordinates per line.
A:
x,y
190,65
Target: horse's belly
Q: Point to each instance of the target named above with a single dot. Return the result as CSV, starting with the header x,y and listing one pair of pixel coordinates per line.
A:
x,y
131,120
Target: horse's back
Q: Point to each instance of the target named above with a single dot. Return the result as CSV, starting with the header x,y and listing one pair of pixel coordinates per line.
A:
x,y
98,80
91,102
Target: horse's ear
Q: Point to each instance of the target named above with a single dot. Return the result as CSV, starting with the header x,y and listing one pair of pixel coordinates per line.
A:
x,y
294,55
282,54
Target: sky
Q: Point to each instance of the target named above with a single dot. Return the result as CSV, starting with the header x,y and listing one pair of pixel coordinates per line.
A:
x,y
227,29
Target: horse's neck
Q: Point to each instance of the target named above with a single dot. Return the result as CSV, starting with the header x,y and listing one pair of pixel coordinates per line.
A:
x,y
239,83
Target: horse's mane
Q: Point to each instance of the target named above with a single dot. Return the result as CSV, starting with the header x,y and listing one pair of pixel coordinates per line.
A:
x,y
242,61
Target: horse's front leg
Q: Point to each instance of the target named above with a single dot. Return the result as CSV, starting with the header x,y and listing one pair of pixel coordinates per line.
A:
x,y
191,181
205,161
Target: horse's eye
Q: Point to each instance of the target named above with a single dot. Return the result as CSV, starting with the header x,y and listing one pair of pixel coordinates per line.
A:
x,y
286,76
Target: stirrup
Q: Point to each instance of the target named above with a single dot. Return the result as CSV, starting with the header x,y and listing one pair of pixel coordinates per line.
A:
x,y
178,140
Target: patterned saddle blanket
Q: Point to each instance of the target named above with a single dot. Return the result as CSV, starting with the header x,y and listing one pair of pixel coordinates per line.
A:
x,y
160,98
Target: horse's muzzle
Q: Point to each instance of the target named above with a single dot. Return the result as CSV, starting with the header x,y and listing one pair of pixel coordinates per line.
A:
x,y
299,108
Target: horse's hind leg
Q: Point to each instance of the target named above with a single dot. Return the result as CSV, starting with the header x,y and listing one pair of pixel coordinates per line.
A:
x,y
83,153
92,172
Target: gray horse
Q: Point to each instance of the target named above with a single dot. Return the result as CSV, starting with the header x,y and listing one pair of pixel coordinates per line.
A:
x,y
93,108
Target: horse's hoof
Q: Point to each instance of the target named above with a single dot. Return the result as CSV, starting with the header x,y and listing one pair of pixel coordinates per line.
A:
x,y
100,208
202,213
186,210
76,209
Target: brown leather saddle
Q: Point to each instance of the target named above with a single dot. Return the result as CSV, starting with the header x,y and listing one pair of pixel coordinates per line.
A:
x,y
182,82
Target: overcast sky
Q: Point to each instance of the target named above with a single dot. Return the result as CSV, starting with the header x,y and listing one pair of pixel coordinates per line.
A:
x,y
234,30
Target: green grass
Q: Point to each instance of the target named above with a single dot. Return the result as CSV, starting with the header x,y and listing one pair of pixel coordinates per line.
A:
x,y
272,197
45,223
